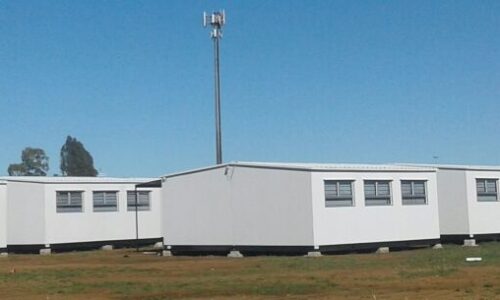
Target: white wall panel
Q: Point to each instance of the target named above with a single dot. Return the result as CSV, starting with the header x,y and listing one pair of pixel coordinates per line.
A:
x,y
369,224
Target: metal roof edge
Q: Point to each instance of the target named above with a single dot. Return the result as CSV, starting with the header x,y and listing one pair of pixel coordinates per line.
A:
x,y
75,180
310,168
191,171
335,167
458,167
150,184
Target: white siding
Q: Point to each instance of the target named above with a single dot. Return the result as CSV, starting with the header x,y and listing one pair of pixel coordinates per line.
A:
x,y
258,206
26,213
33,218
89,226
197,209
3,215
368,224
453,203
484,217
238,206
271,207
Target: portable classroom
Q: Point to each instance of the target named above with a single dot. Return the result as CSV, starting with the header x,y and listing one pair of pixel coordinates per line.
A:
x,y
3,216
469,205
278,207
79,212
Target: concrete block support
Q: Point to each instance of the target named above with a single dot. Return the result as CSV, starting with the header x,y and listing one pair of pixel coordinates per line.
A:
x,y
437,246
470,243
158,245
235,254
45,251
166,253
107,247
313,254
4,254
383,250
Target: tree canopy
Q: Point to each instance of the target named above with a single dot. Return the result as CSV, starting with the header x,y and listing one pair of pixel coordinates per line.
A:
x,y
76,160
34,162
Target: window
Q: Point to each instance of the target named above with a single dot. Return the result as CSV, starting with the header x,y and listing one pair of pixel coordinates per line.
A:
x,y
377,192
143,202
338,193
69,201
486,189
413,192
105,201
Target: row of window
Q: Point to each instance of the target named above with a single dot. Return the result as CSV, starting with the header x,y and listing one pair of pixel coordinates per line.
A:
x,y
377,192
337,193
72,201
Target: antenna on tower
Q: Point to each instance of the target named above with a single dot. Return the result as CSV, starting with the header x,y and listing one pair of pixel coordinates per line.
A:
x,y
216,20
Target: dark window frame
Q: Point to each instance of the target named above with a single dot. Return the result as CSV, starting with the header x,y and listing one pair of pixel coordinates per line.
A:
x,y
69,207
411,199
483,195
105,207
140,206
377,196
333,201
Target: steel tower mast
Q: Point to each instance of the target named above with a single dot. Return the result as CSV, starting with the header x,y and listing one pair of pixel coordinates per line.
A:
x,y
216,20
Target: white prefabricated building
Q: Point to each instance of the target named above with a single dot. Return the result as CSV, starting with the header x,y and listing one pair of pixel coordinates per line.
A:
x,y
469,204
3,216
286,207
79,212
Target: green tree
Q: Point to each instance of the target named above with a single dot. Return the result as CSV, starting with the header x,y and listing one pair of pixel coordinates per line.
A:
x,y
17,170
75,160
34,162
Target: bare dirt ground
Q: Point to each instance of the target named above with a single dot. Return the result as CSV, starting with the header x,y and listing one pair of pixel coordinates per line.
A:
x,y
125,274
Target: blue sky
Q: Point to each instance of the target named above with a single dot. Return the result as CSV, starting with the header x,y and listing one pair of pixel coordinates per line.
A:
x,y
302,81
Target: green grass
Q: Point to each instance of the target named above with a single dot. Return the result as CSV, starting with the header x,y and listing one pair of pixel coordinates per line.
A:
x,y
423,273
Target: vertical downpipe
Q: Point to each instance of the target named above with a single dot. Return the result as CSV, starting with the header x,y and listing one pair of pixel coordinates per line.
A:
x,y
136,223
